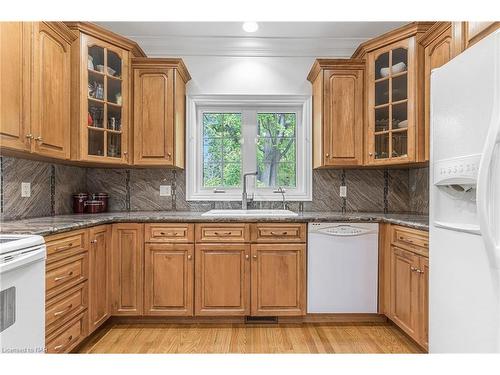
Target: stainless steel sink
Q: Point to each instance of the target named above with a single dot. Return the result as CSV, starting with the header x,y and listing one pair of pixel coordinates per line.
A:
x,y
249,213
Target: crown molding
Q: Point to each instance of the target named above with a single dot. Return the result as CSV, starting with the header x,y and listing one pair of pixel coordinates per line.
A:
x,y
157,46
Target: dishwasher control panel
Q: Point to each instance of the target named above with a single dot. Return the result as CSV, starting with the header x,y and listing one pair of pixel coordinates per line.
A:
x,y
338,229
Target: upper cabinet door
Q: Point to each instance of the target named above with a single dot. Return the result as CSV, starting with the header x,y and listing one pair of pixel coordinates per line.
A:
x,y
154,116
15,68
338,112
343,117
102,121
392,101
437,45
51,92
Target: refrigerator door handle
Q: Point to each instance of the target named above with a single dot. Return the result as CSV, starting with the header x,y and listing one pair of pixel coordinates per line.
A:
x,y
486,199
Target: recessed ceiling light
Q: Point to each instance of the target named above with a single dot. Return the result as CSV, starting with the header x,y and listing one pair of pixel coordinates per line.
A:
x,y
250,27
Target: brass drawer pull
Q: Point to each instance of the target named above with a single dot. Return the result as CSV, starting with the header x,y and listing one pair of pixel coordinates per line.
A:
x,y
63,311
170,234
279,233
57,347
404,239
413,269
223,233
59,278
68,246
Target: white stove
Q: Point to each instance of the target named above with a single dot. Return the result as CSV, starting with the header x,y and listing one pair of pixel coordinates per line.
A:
x,y
22,294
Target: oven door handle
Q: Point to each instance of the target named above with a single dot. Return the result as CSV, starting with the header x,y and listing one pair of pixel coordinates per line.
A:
x,y
22,259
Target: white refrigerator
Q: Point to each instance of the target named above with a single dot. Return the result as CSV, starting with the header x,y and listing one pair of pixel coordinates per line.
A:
x,y
464,255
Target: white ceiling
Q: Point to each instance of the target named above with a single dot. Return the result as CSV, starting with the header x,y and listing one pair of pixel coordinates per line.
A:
x,y
313,39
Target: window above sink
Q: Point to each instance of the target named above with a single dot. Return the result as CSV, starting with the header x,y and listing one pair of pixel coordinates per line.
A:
x,y
231,135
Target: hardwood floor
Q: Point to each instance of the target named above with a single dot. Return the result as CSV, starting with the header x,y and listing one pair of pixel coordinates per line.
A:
x,y
241,338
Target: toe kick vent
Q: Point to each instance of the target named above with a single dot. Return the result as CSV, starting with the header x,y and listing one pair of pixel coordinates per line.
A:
x,y
261,319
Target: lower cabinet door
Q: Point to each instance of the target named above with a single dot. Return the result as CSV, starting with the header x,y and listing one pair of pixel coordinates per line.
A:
x,y
127,258
405,280
168,279
222,279
278,279
424,302
99,276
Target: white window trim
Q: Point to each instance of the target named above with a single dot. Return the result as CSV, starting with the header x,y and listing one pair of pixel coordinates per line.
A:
x,y
196,103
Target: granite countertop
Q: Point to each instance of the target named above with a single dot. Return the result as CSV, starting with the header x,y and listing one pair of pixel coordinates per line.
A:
x,y
63,223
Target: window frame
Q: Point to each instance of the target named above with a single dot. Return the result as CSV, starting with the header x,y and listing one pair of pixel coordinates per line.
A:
x,y
248,106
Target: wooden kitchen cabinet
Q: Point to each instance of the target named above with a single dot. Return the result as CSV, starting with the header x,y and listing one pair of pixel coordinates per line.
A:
x,y
409,282
100,93
437,50
405,290
278,279
35,106
15,90
394,132
466,33
338,112
222,281
168,279
127,262
99,276
159,111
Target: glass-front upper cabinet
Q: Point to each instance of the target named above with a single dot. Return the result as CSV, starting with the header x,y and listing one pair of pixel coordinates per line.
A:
x,y
391,103
102,120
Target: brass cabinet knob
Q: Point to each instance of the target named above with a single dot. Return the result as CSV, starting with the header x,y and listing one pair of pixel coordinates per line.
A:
x,y
38,139
29,136
254,256
327,155
370,153
247,256
190,257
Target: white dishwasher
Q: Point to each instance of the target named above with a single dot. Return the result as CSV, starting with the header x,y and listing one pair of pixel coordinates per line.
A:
x,y
342,268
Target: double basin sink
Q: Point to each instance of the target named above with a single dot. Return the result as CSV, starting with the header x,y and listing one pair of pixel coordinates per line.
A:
x,y
247,213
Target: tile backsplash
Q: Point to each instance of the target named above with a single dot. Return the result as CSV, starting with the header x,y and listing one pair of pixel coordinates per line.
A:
x,y
397,190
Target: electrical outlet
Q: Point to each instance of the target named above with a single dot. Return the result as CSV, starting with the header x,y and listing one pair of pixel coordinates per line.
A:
x,y
343,191
25,189
165,190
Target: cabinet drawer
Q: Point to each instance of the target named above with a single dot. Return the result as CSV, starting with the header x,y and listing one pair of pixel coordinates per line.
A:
x,y
410,238
278,233
60,308
169,233
63,245
66,273
68,336
222,233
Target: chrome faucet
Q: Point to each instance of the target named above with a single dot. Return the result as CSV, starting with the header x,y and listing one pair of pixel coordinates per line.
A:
x,y
282,191
244,196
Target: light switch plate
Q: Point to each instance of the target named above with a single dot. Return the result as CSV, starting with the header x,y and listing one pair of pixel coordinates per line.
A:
x,y
343,191
25,189
165,190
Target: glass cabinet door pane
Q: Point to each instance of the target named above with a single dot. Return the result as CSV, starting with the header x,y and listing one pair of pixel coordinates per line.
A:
x,y
96,142
114,118
115,91
114,145
400,116
399,88
382,66
114,67
95,114
382,119
382,92
382,146
95,58
399,60
95,85
399,144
